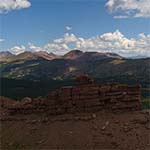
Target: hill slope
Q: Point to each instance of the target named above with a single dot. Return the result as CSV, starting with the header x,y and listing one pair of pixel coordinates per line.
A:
x,y
96,65
8,57
36,70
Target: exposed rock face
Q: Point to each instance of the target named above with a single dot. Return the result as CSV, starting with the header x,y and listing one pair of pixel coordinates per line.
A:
x,y
93,97
84,97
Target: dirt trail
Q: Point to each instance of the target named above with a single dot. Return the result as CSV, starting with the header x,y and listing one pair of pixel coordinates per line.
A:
x,y
101,130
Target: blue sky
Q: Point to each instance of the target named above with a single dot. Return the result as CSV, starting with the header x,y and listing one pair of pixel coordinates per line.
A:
x,y
45,20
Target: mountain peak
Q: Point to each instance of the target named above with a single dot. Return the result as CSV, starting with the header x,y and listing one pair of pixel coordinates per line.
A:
x,y
89,55
73,54
5,54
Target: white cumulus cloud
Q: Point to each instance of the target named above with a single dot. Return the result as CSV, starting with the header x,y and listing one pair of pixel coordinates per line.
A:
x,y
8,5
113,42
2,40
129,8
34,48
68,28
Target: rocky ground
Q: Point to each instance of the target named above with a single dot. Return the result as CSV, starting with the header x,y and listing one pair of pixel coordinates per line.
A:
x,y
100,131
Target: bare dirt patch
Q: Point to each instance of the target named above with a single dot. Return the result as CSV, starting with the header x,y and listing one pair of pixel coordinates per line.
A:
x,y
101,130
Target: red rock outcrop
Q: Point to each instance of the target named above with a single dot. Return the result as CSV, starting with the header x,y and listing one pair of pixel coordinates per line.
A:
x,y
83,97
95,97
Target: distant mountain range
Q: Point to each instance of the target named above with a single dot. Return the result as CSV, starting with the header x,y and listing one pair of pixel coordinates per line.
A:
x,y
6,56
41,65
84,56
34,74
